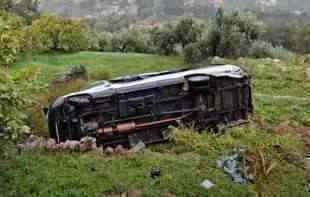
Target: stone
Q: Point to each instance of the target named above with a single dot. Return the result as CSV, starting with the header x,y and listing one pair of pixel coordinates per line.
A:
x,y
109,150
88,144
51,145
120,150
72,145
137,148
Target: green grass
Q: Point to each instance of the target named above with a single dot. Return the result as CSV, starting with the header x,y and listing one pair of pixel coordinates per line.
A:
x,y
281,93
114,63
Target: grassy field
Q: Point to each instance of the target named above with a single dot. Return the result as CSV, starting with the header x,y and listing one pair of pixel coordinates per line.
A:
x,y
115,64
281,94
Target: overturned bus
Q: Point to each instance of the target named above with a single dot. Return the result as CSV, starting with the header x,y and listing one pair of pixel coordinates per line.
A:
x,y
141,107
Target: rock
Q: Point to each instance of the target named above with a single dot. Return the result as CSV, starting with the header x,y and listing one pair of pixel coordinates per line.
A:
x,y
51,145
109,150
33,143
72,145
38,144
99,150
120,150
88,144
60,146
137,148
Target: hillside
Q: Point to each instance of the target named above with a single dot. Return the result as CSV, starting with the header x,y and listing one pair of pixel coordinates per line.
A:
x,y
157,9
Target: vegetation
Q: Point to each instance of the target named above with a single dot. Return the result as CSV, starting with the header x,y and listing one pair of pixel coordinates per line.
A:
x,y
187,160
35,48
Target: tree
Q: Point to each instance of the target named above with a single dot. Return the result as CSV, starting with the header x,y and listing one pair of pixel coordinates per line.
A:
x,y
193,53
187,31
164,39
12,38
49,33
230,34
104,41
25,8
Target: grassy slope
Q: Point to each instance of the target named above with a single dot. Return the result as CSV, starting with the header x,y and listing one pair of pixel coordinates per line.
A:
x,y
183,167
114,63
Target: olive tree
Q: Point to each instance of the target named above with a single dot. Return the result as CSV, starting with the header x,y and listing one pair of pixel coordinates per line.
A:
x,y
187,31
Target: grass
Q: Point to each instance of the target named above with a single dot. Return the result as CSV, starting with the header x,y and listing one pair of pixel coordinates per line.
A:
x,y
281,93
114,63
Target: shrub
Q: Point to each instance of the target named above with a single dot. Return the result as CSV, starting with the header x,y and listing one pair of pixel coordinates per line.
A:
x,y
164,39
261,49
104,41
12,105
230,34
12,38
193,53
72,36
44,33
50,33
187,31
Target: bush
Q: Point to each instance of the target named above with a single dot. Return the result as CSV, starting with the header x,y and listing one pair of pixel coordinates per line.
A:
x,y
104,41
164,39
187,31
130,40
231,34
12,38
12,105
193,53
261,49
72,37
49,33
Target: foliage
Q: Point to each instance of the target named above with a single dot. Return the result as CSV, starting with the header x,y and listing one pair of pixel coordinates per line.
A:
x,y
187,31
71,37
49,33
104,41
130,40
12,38
12,105
165,39
28,9
230,34
5,4
292,36
262,49
193,53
